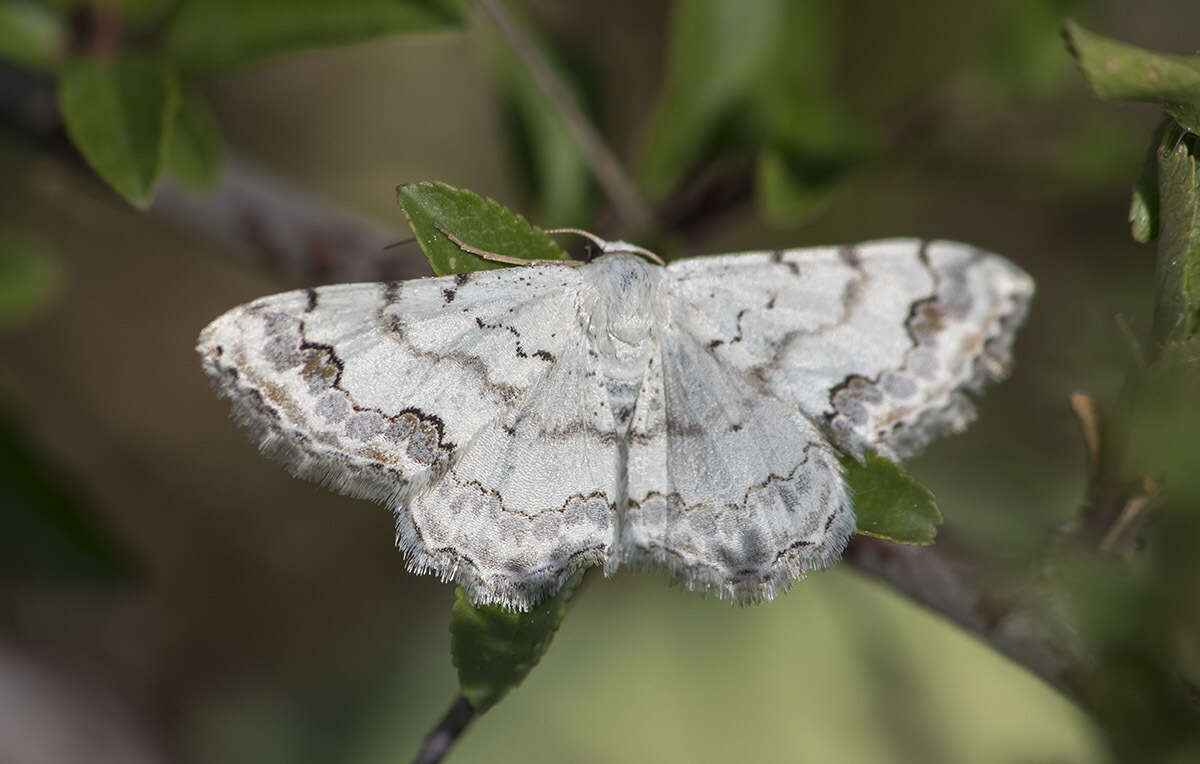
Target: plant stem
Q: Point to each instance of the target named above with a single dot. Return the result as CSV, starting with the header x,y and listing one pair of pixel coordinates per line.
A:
x,y
1020,629
437,743
626,199
289,231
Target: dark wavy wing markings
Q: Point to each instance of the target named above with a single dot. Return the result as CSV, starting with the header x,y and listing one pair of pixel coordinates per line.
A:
x,y
731,489
373,389
532,497
878,342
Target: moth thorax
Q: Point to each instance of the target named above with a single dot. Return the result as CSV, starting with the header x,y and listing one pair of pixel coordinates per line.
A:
x,y
626,295
621,327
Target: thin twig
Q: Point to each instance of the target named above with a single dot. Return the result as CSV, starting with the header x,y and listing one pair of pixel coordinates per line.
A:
x,y
1107,496
617,185
264,219
1019,629
1124,532
438,742
287,230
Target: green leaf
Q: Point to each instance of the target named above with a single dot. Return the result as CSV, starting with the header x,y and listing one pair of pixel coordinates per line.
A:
x,y
479,222
31,35
494,649
548,155
1123,72
119,115
1143,207
1164,430
889,504
811,144
720,50
1177,306
195,149
28,278
745,78
207,35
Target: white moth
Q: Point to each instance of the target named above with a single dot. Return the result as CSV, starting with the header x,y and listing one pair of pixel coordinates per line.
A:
x,y
524,422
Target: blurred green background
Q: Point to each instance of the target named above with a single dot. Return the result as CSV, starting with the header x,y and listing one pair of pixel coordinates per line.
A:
x,y
167,594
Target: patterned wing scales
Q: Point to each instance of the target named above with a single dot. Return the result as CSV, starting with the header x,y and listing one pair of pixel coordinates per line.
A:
x,y
531,498
730,488
478,406
877,342
375,389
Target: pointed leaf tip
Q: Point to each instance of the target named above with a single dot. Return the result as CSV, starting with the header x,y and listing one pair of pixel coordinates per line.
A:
x,y
1118,71
480,222
889,503
494,649
119,114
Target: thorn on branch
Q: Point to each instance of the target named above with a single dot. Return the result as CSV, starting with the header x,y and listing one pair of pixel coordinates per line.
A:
x,y
1123,534
1087,414
1112,518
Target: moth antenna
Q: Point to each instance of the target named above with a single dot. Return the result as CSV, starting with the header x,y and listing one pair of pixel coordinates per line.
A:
x,y
496,257
608,247
400,243
578,232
